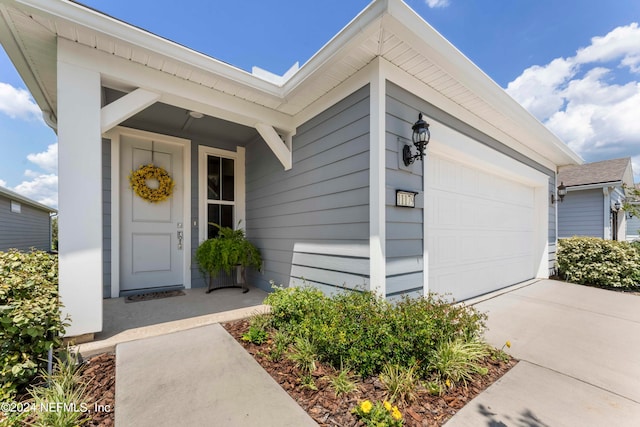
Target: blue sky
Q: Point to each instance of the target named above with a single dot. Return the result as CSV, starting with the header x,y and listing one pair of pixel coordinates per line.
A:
x,y
575,64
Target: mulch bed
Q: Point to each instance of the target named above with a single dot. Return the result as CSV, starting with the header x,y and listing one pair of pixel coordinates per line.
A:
x,y
99,373
330,411
322,404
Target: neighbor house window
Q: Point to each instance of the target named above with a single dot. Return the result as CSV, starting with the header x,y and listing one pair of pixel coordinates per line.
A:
x,y
220,193
16,207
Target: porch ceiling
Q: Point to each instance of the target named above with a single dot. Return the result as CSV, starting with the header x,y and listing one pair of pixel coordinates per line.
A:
x,y
176,121
387,29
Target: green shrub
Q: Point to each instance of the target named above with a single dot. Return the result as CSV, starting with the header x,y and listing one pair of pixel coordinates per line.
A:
x,y
30,321
419,324
352,328
362,331
292,307
599,262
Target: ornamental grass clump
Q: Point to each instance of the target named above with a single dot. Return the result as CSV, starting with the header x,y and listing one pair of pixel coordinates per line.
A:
x,y
62,400
598,262
457,361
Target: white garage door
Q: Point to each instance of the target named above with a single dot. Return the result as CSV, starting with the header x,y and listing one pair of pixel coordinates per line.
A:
x,y
480,229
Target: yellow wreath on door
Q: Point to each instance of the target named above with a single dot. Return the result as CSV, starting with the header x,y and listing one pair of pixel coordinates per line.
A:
x,y
139,181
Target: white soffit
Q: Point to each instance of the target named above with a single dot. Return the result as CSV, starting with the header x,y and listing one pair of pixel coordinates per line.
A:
x,y
386,28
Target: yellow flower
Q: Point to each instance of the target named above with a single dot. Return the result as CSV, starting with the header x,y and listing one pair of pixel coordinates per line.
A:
x,y
447,383
387,405
508,344
395,413
366,406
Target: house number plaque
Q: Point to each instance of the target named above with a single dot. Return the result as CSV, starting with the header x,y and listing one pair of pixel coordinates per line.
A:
x,y
406,199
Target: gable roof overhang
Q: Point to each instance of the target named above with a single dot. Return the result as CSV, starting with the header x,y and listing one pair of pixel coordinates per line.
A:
x,y
386,29
601,174
27,201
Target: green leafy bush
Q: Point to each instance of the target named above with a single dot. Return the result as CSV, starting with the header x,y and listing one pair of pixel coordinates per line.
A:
x,y
599,262
362,331
29,316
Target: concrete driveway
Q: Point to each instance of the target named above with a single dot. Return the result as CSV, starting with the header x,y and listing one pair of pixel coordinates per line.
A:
x,y
579,352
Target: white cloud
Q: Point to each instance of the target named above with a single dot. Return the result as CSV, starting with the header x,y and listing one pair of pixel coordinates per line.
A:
x,y
42,188
17,103
437,3
580,100
621,42
47,160
3,183
635,165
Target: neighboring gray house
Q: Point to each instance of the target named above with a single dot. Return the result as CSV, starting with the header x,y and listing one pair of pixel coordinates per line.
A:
x,y
312,161
594,200
24,223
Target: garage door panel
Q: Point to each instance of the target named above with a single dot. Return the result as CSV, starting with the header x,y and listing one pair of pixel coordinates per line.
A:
x,y
480,233
464,283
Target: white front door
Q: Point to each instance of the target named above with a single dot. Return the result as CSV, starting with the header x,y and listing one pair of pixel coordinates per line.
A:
x,y
151,234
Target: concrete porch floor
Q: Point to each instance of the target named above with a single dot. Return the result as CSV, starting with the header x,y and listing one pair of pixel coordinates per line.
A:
x,y
128,321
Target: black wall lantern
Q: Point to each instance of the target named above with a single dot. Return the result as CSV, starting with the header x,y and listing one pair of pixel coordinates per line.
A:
x,y
617,206
421,137
562,191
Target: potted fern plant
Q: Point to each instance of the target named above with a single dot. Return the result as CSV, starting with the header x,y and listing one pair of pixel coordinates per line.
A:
x,y
225,252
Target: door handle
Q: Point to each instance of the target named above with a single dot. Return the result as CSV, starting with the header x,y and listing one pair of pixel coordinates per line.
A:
x,y
180,237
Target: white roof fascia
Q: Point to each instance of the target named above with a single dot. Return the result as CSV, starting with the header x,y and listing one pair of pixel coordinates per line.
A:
x,y
361,23
458,66
15,196
14,51
609,184
82,15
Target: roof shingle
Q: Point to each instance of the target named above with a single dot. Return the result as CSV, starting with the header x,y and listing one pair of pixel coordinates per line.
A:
x,y
594,173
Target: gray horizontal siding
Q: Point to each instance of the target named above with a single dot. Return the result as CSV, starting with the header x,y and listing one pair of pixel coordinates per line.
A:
x,y
311,223
633,229
581,214
404,226
25,230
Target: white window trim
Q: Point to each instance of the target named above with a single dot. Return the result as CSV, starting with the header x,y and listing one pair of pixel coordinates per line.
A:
x,y
240,205
16,207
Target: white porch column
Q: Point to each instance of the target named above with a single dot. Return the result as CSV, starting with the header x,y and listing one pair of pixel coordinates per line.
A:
x,y
377,184
79,194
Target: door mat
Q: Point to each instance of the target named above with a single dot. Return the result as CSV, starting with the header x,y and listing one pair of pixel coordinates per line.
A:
x,y
153,295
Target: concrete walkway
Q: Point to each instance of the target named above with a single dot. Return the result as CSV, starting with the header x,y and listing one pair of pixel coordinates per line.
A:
x,y
198,377
133,321
580,359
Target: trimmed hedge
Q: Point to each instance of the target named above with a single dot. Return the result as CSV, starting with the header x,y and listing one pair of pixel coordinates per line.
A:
x,y
598,262
29,316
